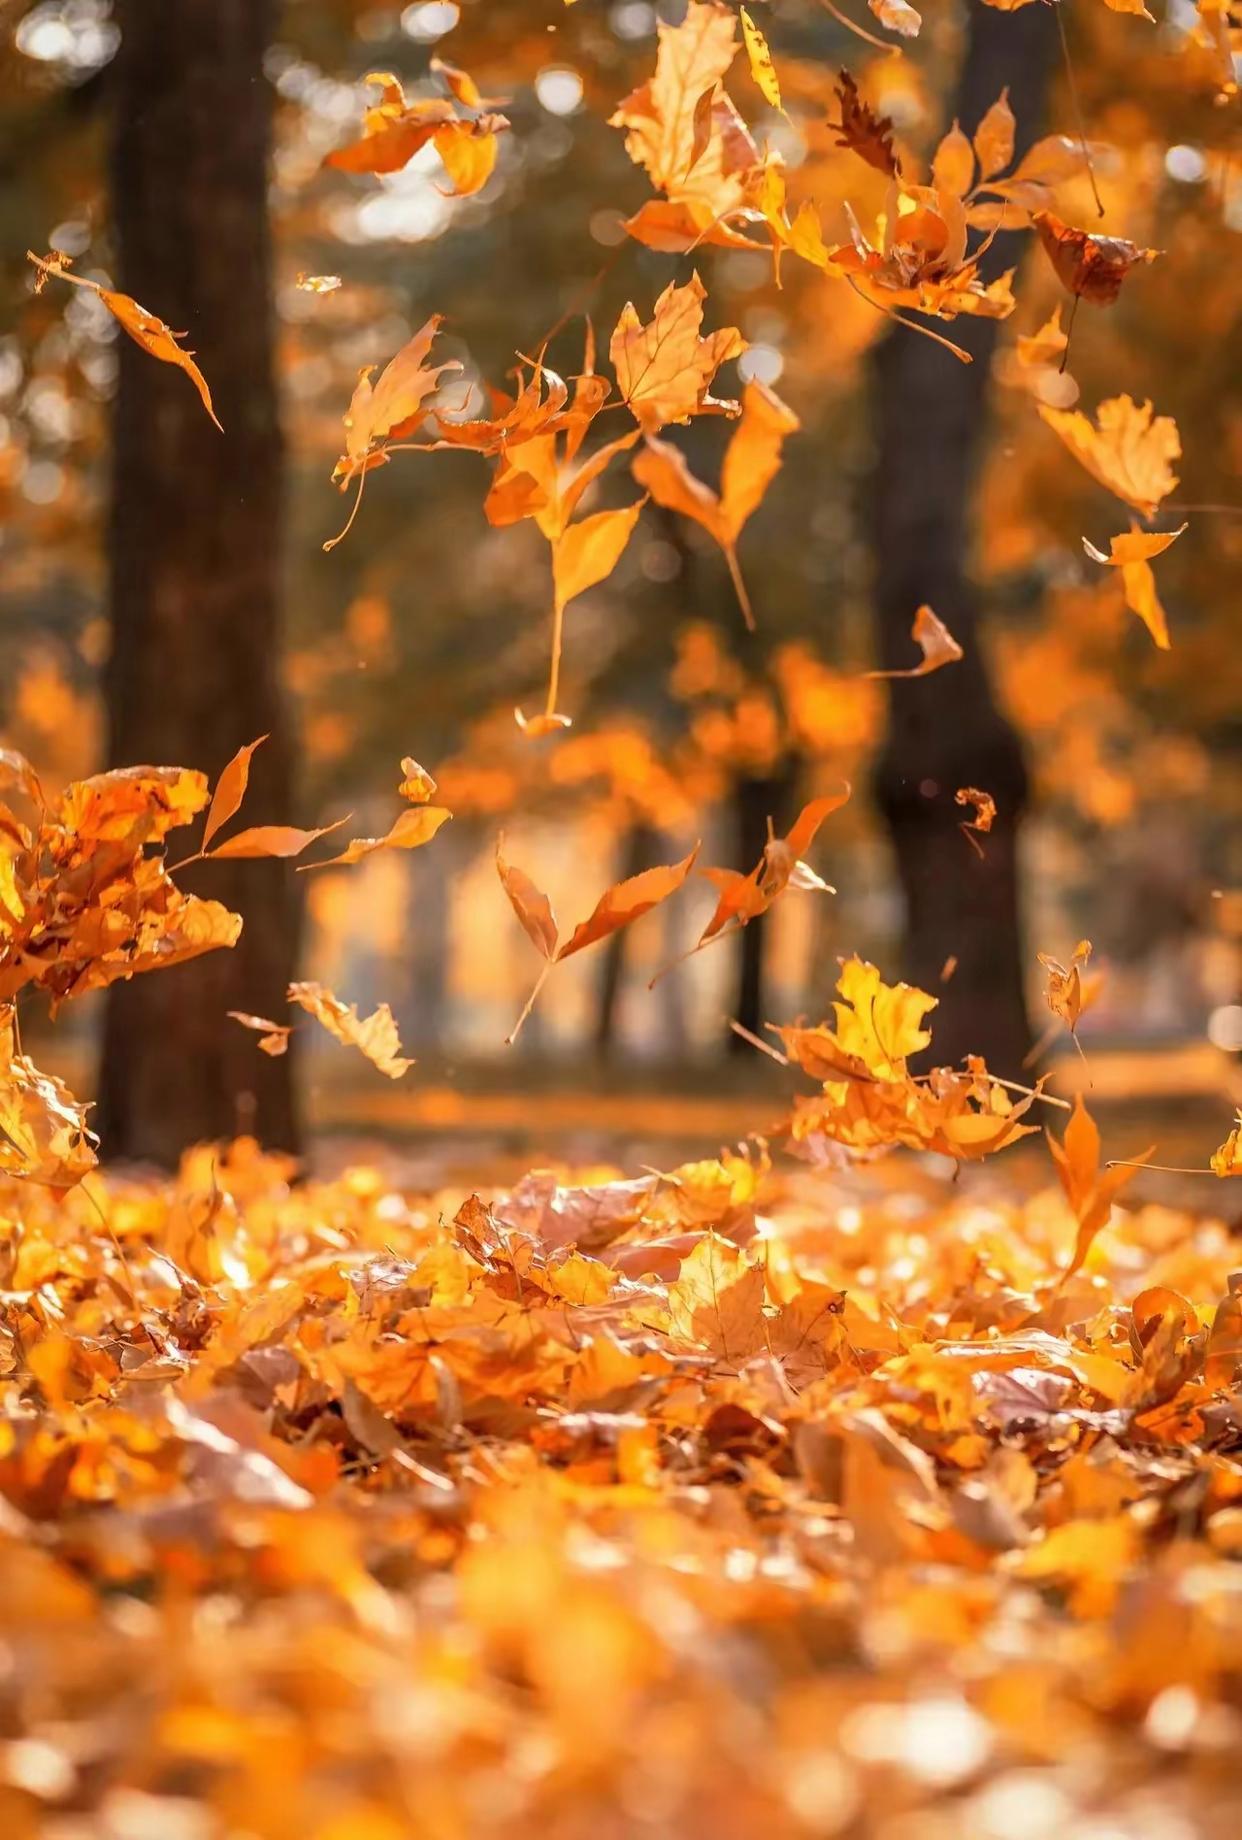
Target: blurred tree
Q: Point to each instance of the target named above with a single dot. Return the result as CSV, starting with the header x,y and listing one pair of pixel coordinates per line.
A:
x,y
948,731
195,552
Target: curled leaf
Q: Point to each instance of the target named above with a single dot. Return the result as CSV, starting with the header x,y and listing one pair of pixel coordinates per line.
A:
x,y
374,1035
1091,267
934,640
144,328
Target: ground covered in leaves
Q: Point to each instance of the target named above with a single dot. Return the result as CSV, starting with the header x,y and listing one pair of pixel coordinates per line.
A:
x,y
717,1503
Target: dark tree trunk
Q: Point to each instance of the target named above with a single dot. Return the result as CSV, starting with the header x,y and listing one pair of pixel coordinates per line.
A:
x,y
195,554
946,730
755,800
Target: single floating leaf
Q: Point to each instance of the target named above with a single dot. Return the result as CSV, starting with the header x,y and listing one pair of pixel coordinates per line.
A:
x,y
374,1035
936,643
144,328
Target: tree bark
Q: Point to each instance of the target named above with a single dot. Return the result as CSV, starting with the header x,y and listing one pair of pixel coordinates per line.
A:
x,y
195,555
947,731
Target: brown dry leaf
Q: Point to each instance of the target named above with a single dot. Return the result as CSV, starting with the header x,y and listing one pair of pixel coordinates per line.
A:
x,y
282,840
230,790
143,328
1091,267
275,1034
665,368
374,1035
529,903
751,462
934,640
862,130
1089,1190
1127,449
984,814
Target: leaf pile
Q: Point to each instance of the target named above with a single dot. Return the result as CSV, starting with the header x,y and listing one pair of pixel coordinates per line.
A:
x,y
742,1506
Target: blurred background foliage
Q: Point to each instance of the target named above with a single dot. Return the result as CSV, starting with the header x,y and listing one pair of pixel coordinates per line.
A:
x,y
422,631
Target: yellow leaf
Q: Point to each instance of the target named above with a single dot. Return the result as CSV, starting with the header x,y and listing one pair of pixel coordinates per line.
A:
x,y
1127,449
762,69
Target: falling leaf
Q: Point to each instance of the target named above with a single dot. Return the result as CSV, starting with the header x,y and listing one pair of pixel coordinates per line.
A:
x,y
751,462
275,1035
374,1035
665,368
589,551
1042,349
953,164
1091,267
394,130
628,901
1089,1190
394,406
762,69
898,16
43,1134
270,840
417,785
317,284
936,643
619,906
1064,992
529,903
1227,1161
143,328
1128,450
994,137
984,813
230,790
744,897
862,130
684,131
1131,553
410,831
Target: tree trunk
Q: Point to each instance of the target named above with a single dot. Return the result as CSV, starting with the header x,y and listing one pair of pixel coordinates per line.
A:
x,y
947,731
755,800
195,555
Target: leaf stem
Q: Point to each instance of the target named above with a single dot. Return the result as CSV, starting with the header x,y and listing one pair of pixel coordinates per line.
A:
x,y
1076,106
513,1034
739,586
349,522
